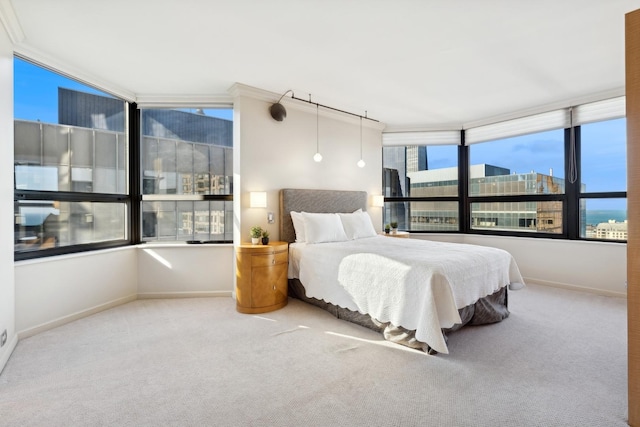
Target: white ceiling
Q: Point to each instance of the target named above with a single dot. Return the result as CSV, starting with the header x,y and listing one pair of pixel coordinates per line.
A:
x,y
412,64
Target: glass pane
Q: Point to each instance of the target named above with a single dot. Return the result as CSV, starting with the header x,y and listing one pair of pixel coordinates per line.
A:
x,y
603,219
28,144
528,164
55,143
604,156
202,221
106,173
166,166
43,178
167,225
48,224
106,150
422,216
184,155
187,152
63,124
201,169
545,217
420,171
434,216
82,147
397,212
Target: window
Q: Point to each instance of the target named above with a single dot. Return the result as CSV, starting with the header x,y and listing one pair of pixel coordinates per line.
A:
x,y
74,183
603,203
522,165
70,164
187,175
421,186
559,174
527,217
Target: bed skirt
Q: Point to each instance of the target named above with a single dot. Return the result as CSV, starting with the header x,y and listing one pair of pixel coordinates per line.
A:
x,y
490,309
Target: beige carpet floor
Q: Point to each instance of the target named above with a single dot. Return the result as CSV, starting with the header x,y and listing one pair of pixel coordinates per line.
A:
x,y
558,360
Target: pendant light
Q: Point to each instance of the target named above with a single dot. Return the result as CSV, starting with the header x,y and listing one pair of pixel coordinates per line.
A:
x,y
361,162
317,157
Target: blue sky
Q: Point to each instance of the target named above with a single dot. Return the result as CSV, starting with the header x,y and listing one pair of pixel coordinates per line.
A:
x,y
603,157
604,144
36,94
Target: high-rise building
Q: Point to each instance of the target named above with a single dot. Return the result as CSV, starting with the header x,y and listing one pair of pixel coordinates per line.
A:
x,y
417,158
486,180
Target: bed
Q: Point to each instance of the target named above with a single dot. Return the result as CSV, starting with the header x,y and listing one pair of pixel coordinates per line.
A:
x,y
415,292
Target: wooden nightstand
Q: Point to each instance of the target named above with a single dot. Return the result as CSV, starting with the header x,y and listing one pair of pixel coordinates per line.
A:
x,y
261,277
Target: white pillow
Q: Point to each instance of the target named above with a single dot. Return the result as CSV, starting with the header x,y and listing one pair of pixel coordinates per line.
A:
x,y
357,225
298,226
323,227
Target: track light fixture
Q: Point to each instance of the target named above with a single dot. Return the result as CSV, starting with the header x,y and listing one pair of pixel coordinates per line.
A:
x,y
279,113
277,110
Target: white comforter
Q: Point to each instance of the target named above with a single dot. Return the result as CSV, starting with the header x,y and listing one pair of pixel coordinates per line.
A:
x,y
416,284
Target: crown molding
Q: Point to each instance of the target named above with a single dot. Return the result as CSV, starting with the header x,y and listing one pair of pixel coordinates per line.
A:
x,y
173,101
10,21
242,90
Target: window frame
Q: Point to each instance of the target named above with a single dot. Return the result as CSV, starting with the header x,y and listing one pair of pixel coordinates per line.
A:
x,y
142,198
79,197
578,195
456,199
570,199
522,198
132,199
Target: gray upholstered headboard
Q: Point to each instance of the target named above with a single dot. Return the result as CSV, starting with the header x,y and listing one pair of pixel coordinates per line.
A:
x,y
320,201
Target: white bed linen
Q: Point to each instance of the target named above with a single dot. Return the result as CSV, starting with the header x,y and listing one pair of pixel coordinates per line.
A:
x,y
416,284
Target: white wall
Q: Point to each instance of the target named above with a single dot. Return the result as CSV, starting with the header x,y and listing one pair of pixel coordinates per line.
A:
x,y
56,290
593,266
599,267
276,155
7,308
182,270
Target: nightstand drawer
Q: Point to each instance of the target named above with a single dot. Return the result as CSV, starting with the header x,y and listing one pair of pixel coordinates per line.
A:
x,y
263,260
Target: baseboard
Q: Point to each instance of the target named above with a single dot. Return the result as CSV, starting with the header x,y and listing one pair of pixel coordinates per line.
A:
x,y
6,354
75,316
93,310
196,294
575,288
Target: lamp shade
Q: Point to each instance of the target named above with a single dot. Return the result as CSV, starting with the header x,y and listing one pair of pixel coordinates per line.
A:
x,y
278,112
378,201
258,199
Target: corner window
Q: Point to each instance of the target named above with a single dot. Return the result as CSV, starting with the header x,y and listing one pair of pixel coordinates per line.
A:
x,y
70,163
420,185
187,175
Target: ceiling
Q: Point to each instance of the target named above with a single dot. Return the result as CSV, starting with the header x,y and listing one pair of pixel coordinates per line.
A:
x,y
411,64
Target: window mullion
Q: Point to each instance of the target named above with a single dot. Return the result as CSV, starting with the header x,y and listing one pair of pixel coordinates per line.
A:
x,y
135,173
572,189
464,206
